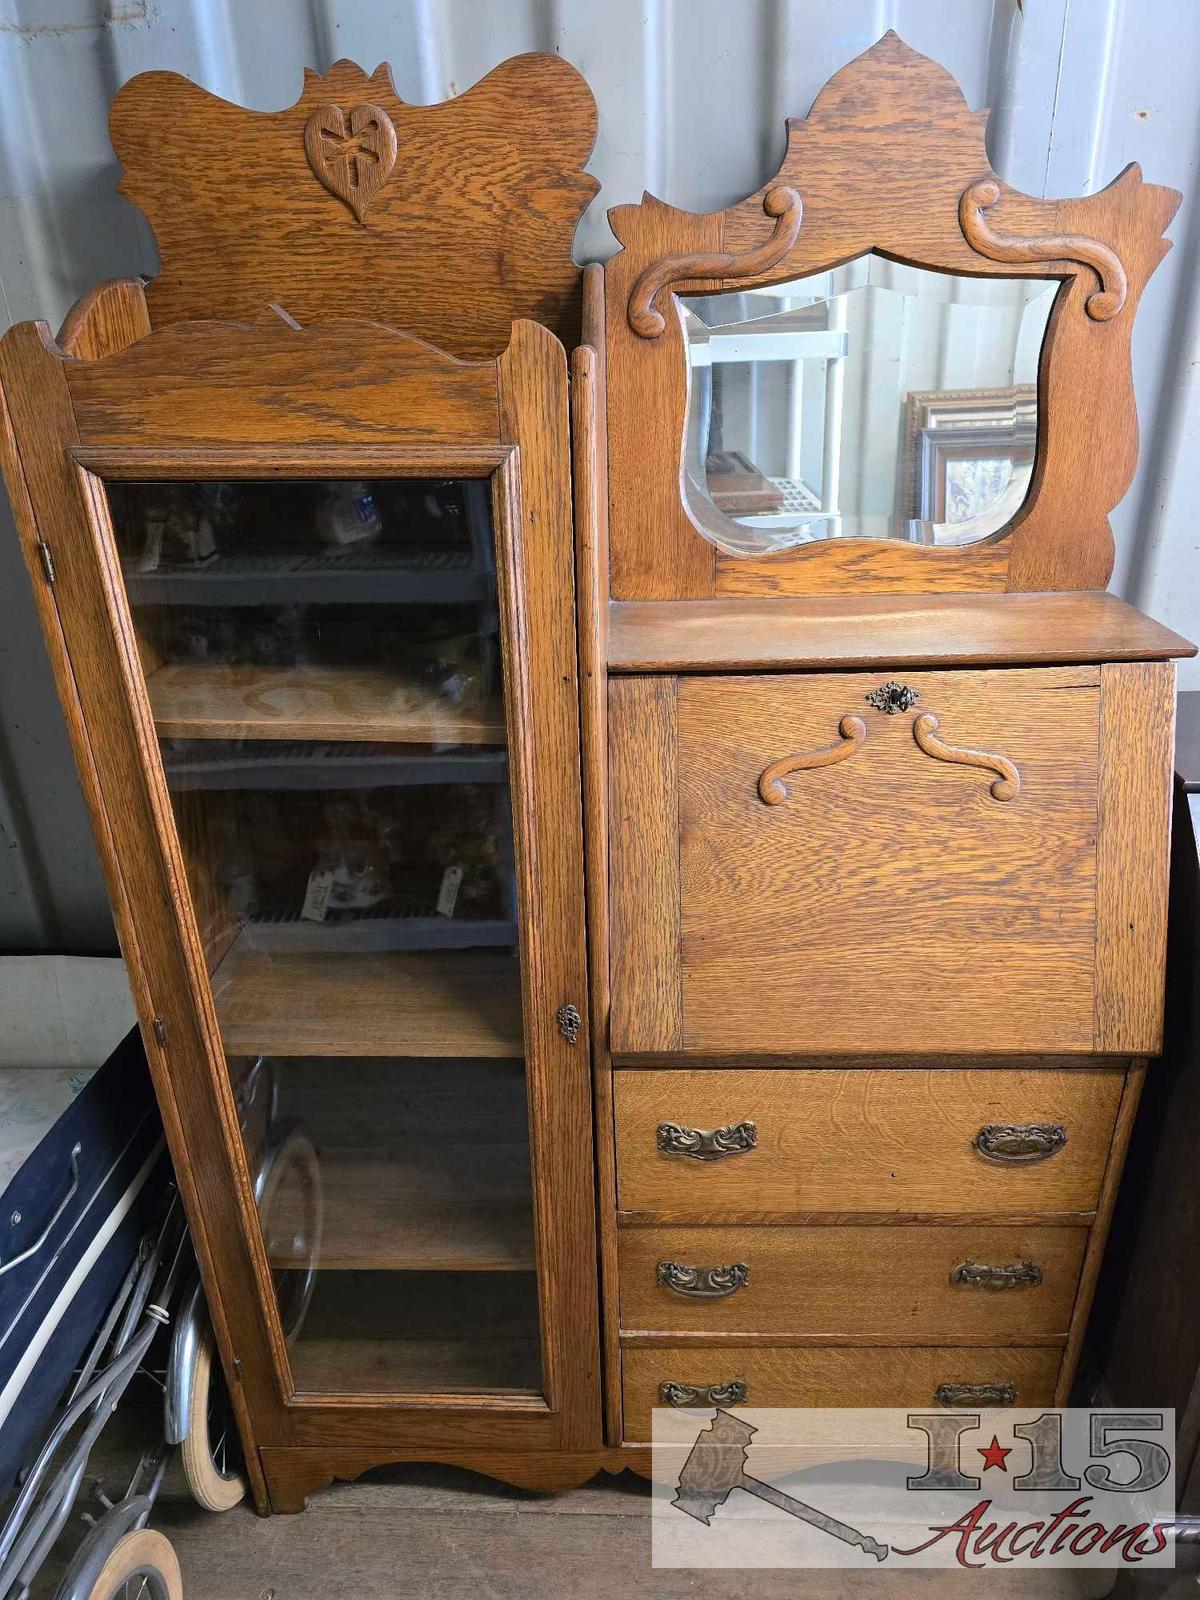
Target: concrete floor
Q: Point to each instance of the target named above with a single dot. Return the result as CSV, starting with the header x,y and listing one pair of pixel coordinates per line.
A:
x,y
438,1534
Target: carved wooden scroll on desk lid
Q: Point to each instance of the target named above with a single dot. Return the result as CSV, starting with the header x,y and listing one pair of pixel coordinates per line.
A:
x,y
450,220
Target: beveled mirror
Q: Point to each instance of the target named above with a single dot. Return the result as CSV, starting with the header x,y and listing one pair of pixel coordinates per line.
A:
x,y
875,401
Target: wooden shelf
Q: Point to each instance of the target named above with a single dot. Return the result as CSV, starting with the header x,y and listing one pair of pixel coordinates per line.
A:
x,y
416,1366
342,703
412,1209
420,1333
460,1003
841,632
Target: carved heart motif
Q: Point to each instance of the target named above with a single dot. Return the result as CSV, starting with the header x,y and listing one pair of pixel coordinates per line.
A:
x,y
353,155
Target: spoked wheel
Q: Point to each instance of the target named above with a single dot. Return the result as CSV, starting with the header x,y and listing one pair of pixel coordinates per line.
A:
x,y
208,1449
143,1566
119,1559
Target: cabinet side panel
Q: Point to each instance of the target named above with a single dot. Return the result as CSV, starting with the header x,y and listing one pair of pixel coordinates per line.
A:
x,y
1137,734
646,977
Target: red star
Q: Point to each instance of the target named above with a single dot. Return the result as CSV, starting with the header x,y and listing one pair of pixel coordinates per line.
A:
x,y
994,1455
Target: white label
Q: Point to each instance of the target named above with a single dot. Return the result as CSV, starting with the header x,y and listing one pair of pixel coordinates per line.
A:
x,y
316,896
448,894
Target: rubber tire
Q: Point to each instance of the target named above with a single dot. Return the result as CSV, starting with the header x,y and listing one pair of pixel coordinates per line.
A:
x,y
143,1547
208,1488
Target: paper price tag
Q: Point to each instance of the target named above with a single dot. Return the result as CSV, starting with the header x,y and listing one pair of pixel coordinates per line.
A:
x,y
316,896
448,893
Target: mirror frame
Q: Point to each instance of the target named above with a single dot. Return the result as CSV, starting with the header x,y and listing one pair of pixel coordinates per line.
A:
x,y
891,160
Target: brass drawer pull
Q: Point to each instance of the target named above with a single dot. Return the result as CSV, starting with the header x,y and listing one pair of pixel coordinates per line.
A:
x,y
975,1394
1029,1141
706,1145
772,790
1007,783
686,1395
703,1283
975,1275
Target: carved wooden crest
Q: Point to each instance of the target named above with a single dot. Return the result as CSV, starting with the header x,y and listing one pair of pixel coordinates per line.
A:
x,y
352,152
450,220
889,159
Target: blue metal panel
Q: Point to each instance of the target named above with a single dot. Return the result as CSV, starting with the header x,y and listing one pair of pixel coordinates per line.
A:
x,y
692,97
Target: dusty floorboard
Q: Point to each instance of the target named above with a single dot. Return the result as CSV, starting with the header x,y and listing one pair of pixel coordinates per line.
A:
x,y
442,1535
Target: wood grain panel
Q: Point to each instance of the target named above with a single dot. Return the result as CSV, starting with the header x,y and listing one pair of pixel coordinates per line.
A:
x,y
833,1375
393,1004
891,902
839,632
470,229
217,383
1137,738
645,980
890,1284
896,1140
343,703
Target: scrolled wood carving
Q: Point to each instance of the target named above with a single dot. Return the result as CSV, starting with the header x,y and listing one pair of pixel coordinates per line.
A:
x,y
780,202
1101,305
1006,785
772,789
351,153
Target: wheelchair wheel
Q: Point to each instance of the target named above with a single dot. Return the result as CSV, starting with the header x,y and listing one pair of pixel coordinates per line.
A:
x,y
143,1566
211,1439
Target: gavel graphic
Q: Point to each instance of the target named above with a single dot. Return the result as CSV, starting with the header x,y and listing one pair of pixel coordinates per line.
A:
x,y
716,1466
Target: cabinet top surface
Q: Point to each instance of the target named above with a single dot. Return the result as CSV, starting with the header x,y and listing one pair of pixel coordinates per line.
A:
x,y
843,631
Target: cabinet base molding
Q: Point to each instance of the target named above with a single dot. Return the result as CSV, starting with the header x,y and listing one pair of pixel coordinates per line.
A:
x,y
293,1474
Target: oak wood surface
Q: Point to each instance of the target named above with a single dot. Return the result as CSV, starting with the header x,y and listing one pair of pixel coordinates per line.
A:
x,y
833,1375
237,384
199,701
883,161
405,1211
250,386
1098,1237
646,1006
892,902
589,460
888,1284
107,319
840,632
292,1475
388,1004
470,229
1137,727
849,1140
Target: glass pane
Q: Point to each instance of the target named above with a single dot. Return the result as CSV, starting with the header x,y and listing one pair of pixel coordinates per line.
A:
x,y
323,663
875,401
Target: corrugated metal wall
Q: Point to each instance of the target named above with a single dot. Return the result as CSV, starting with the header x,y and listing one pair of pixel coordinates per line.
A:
x,y
692,97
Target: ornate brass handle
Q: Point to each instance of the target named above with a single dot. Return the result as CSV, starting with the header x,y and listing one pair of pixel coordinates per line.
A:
x,y
975,1275
1028,1141
703,1283
975,1394
687,1395
772,790
1006,785
706,1144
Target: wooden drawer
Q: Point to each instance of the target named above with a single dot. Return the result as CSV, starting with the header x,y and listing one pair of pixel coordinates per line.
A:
x,y
831,1375
843,1282
862,1140
994,884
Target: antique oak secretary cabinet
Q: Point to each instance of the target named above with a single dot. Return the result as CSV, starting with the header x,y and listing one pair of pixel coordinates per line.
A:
x,y
821,730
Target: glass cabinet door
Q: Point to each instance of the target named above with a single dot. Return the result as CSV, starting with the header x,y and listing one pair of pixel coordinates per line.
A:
x,y
324,664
